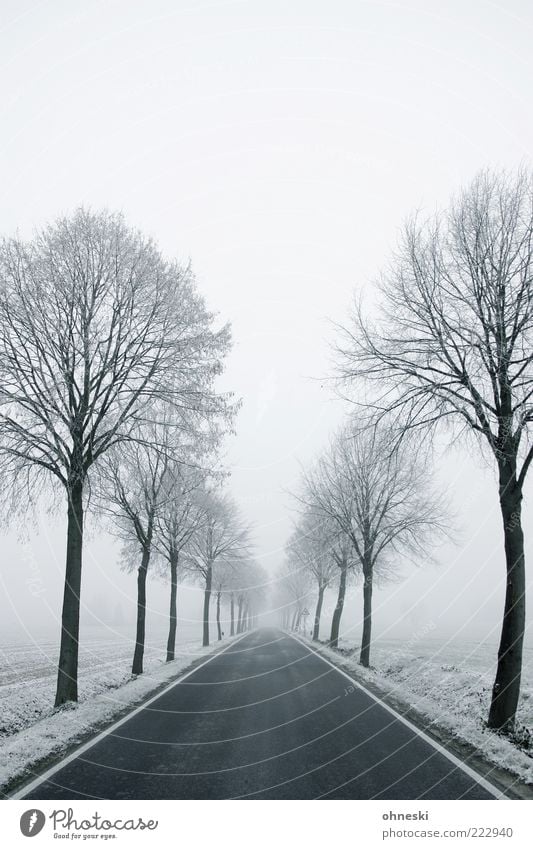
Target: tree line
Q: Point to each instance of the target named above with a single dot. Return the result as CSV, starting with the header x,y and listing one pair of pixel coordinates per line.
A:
x,y
108,366
363,506
446,347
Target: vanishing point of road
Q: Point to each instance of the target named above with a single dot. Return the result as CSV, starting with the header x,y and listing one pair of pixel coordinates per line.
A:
x,y
266,718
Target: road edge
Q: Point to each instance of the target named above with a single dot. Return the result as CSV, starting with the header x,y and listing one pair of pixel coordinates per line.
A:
x,y
495,791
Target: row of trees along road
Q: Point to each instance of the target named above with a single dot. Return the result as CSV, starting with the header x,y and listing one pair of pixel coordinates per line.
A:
x,y
363,506
108,362
451,343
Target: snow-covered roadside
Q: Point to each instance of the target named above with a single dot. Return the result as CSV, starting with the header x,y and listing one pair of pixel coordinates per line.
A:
x,y
63,728
28,673
452,698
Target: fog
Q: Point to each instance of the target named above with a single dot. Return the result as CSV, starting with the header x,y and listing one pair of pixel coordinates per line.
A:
x,y
278,146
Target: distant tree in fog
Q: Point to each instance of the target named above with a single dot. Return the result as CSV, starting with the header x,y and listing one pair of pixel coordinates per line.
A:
x,y
178,518
382,503
250,585
309,548
221,582
222,536
235,585
294,584
327,535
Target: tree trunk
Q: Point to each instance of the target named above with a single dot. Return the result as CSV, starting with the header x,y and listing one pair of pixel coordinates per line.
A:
x,y
171,643
337,613
207,601
506,689
138,654
239,619
318,611
67,673
219,629
364,657
232,614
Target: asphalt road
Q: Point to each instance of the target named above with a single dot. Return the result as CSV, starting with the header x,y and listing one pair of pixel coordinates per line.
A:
x,y
265,719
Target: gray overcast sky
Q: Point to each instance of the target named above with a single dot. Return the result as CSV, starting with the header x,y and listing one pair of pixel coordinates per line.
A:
x,y
278,145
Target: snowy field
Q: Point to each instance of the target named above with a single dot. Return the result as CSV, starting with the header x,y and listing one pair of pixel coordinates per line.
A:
x,y
28,670
457,677
451,684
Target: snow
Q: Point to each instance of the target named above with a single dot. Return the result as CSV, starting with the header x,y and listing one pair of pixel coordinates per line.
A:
x,y
450,684
31,729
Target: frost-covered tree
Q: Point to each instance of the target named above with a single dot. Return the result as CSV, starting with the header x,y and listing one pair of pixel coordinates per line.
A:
x,y
381,501
179,517
133,497
294,585
222,536
249,585
309,547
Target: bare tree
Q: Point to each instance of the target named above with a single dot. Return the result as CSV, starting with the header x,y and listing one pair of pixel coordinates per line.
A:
x,y
222,536
342,553
179,517
250,584
310,547
133,493
340,548
455,344
221,581
331,535
235,582
95,328
381,501
295,583
232,580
